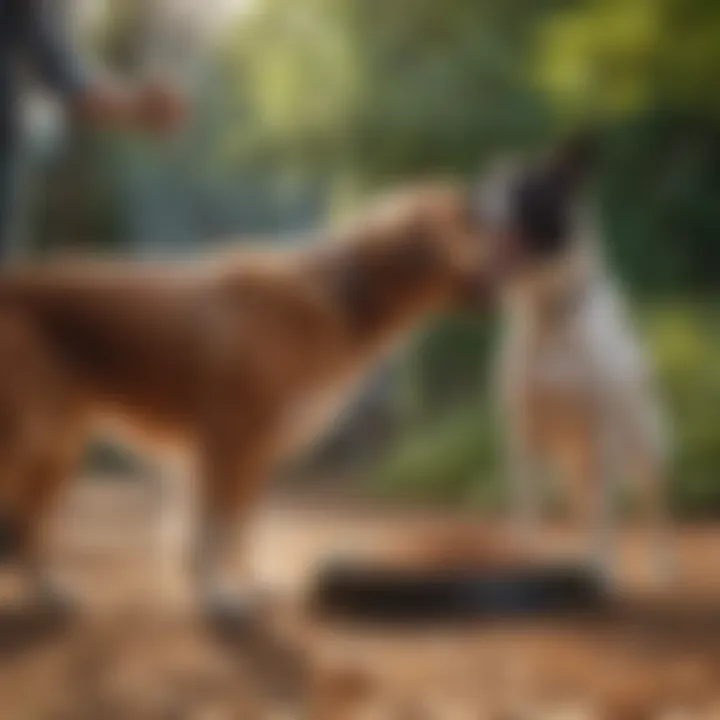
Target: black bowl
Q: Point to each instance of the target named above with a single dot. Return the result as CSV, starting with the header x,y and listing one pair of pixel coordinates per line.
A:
x,y
359,590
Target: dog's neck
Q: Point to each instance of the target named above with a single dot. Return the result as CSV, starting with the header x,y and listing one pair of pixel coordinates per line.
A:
x,y
549,294
381,290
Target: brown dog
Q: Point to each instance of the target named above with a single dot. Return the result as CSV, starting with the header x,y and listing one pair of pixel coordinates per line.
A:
x,y
241,358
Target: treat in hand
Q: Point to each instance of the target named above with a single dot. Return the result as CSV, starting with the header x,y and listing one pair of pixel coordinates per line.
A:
x,y
153,107
160,108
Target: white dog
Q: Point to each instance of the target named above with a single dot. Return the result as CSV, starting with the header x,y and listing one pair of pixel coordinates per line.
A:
x,y
576,392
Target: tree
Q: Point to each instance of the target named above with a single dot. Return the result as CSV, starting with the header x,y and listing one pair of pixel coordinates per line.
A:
x,y
647,71
380,90
621,57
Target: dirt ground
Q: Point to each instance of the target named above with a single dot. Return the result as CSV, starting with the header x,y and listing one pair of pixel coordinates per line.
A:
x,y
137,649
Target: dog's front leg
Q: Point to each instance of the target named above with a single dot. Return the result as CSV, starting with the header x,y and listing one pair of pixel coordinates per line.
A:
x,y
175,493
654,480
49,473
235,470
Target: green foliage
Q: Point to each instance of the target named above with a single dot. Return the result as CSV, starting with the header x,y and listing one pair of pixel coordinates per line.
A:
x,y
452,460
621,57
451,362
291,73
660,180
386,89
685,340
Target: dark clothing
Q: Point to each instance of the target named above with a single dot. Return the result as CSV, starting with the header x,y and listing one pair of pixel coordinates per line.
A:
x,y
32,43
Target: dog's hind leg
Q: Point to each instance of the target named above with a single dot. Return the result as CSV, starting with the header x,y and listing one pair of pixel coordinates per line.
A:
x,y
655,474
524,471
38,465
663,559
589,462
36,404
603,468
49,471
649,468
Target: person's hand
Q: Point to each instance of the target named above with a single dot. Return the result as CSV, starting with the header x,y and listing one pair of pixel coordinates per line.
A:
x,y
155,107
159,108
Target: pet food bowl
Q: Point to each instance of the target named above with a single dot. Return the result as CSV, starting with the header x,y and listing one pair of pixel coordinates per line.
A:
x,y
363,590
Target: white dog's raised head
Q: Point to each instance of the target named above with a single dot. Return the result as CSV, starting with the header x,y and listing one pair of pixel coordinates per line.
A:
x,y
533,205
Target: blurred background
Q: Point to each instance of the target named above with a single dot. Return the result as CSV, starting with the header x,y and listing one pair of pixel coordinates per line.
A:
x,y
301,108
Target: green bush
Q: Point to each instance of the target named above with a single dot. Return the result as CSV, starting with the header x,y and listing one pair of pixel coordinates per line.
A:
x,y
684,340
449,461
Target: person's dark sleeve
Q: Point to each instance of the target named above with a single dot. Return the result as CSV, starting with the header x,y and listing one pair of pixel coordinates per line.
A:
x,y
50,49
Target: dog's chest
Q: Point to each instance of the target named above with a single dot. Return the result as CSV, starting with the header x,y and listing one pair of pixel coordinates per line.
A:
x,y
545,363
317,410
591,351
328,403
559,364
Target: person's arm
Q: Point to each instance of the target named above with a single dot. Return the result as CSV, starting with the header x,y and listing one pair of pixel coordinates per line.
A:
x,y
50,48
91,99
